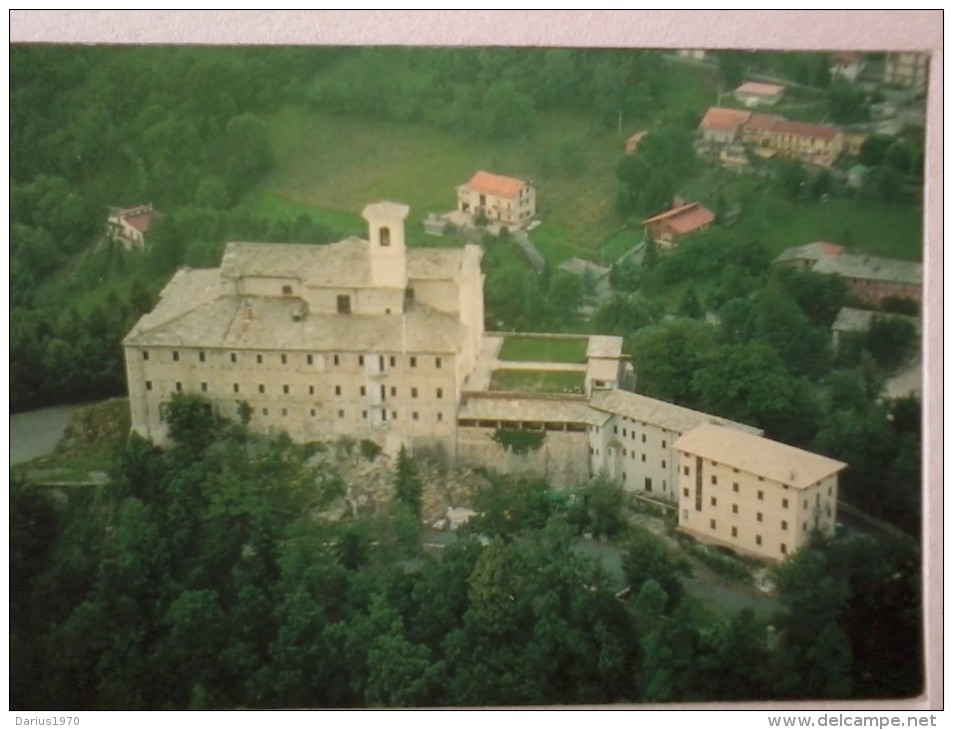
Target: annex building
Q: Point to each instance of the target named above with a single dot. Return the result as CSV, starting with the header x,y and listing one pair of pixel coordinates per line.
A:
x,y
369,339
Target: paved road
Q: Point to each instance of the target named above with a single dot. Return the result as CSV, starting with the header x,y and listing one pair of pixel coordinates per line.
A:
x,y
36,433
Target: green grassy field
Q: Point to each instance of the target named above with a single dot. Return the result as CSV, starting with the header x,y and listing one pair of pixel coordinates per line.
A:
x,y
331,167
544,349
538,381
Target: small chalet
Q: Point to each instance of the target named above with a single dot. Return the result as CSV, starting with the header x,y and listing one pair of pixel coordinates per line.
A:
x,y
721,125
507,200
682,220
129,226
755,93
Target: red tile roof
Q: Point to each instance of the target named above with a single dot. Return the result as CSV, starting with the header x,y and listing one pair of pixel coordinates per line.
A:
x,y
720,119
490,184
684,218
141,222
763,121
805,129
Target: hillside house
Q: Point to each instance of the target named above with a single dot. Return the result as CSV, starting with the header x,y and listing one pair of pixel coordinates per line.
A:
x,y
129,226
683,220
507,200
722,126
756,93
907,69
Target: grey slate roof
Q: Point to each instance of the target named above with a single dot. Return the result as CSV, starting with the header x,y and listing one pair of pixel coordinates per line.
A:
x,y
658,412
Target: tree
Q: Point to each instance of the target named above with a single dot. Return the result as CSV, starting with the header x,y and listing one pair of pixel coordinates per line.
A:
x,y
191,421
667,355
732,65
646,558
889,340
606,501
407,484
248,154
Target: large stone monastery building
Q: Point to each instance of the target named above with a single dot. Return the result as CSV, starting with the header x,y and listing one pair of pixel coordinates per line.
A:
x,y
372,340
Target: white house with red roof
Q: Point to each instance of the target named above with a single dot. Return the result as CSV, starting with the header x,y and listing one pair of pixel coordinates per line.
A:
x,y
756,93
507,200
129,226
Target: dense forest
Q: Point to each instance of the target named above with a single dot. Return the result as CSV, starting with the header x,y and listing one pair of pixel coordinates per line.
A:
x,y
204,577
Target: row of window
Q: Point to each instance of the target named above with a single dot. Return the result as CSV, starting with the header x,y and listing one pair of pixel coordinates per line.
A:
x,y
625,434
757,538
202,356
286,389
736,488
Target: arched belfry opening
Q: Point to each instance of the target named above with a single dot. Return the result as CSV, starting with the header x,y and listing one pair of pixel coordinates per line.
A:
x,y
385,236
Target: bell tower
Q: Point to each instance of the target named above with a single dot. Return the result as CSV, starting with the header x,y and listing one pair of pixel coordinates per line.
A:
x,y
385,223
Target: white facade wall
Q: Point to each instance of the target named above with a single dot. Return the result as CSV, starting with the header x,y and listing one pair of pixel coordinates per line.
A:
x,y
562,459
638,455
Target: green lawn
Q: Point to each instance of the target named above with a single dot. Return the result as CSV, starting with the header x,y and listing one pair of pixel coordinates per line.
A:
x,y
538,381
331,167
544,349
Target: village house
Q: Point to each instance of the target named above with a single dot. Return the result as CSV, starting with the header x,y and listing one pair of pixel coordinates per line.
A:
x,y
816,144
507,200
369,339
874,279
907,69
846,65
756,93
757,496
129,226
668,228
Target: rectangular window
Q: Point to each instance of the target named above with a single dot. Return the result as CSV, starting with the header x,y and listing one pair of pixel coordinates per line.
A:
x,y
363,390
804,527
309,359
760,494
337,359
233,357
286,389
363,414
148,385
235,387
145,354
393,415
714,502
685,491
714,479
734,532
760,517
663,463
734,509
439,416
734,487
344,304
264,411
259,358
337,390
437,362
175,355
393,361
413,361
440,392
685,471
643,438
393,391
643,457
286,290
205,387
360,360
784,548
284,359
664,444
314,412
415,415
310,390
284,411
178,387
757,539
784,524
261,388
340,414
712,524
648,484
784,503
201,356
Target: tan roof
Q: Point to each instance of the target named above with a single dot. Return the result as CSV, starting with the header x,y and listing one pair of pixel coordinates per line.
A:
x,y
343,264
267,323
721,119
490,184
685,218
187,290
810,252
872,268
658,412
758,455
757,88
529,409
